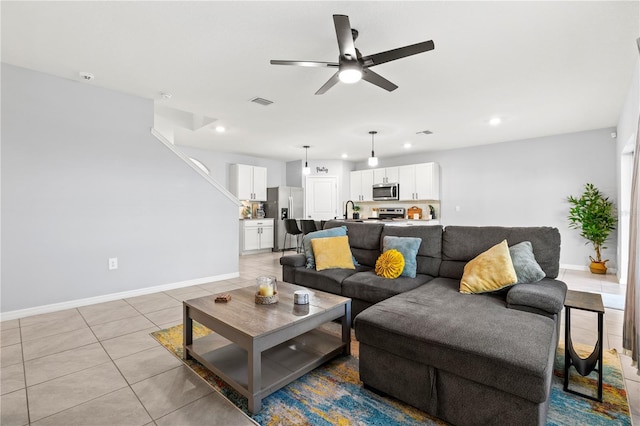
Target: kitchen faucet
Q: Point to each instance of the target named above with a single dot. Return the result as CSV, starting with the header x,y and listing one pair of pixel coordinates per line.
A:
x,y
346,205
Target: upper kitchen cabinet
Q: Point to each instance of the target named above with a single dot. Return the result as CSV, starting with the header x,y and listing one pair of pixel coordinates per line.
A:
x,y
386,175
248,182
419,181
362,185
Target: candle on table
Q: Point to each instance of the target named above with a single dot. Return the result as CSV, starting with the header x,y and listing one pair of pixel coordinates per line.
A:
x,y
266,290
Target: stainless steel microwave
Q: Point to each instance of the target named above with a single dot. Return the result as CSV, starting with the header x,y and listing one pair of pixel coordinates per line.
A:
x,y
386,191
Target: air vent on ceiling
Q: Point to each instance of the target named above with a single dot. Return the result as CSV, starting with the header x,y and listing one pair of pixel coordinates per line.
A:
x,y
425,132
262,101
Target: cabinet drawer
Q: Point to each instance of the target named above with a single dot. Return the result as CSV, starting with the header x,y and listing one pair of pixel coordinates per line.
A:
x,y
258,223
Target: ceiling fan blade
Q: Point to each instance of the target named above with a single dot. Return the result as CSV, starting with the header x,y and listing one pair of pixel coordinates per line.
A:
x,y
401,52
378,80
305,63
345,37
328,85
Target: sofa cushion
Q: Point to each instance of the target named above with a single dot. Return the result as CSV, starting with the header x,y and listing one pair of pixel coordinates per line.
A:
x,y
364,239
308,248
460,244
482,341
489,271
371,288
524,262
390,264
408,246
329,280
430,251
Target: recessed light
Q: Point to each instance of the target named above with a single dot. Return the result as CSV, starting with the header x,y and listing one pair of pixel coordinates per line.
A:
x,y
86,76
495,121
344,155
166,95
220,129
407,145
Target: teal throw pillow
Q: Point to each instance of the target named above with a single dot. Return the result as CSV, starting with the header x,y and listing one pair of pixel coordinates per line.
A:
x,y
325,233
408,246
527,268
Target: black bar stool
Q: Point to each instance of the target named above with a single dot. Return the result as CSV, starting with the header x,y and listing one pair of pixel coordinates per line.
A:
x,y
308,225
291,228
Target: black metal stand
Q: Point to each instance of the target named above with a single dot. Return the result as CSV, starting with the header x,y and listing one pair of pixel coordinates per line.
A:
x,y
584,366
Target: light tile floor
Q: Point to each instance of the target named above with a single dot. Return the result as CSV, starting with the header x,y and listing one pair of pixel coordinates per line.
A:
x,y
98,365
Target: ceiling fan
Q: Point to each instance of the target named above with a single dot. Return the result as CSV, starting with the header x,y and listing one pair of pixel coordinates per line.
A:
x,y
352,66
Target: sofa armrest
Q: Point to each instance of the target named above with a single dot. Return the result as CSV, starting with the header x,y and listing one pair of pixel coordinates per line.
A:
x,y
545,297
294,260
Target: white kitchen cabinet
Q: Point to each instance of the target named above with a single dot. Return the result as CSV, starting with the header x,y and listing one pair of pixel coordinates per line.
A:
x,y
419,181
407,182
361,185
248,182
256,234
386,175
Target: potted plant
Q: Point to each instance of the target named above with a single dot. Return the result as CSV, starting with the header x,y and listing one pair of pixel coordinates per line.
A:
x,y
595,216
432,211
356,210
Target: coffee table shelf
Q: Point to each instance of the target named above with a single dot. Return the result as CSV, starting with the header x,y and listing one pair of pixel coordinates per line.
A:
x,y
280,365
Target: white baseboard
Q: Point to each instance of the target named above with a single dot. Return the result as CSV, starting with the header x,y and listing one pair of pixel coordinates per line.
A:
x,y
574,267
584,268
45,309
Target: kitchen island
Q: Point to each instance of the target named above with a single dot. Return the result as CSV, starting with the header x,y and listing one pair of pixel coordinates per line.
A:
x,y
397,221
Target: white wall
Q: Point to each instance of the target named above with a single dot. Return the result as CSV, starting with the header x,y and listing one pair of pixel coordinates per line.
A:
x,y
524,183
83,180
626,134
218,165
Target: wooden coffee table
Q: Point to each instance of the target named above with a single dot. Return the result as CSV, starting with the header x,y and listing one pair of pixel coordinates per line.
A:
x,y
257,349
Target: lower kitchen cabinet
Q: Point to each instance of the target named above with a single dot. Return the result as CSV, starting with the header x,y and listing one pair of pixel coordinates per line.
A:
x,y
256,234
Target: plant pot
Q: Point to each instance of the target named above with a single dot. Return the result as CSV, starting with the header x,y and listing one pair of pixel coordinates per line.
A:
x,y
356,215
598,267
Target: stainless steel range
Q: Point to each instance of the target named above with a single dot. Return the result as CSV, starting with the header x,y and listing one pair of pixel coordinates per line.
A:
x,y
391,213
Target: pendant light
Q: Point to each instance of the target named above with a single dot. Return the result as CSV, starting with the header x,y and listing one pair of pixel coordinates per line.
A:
x,y
373,160
306,170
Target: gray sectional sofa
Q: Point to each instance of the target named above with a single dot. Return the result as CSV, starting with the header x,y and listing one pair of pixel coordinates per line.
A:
x,y
468,359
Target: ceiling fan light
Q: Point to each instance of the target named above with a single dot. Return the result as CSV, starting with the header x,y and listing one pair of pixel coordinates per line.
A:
x,y
350,74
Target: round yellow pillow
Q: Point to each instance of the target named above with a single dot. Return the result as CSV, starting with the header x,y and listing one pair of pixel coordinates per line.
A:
x,y
390,264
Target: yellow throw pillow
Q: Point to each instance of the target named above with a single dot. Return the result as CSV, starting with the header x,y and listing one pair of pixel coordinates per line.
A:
x,y
489,271
332,252
390,264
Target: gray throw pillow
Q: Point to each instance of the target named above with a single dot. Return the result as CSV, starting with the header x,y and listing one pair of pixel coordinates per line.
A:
x,y
524,262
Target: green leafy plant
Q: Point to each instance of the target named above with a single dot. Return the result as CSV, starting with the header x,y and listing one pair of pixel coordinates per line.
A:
x,y
595,216
356,210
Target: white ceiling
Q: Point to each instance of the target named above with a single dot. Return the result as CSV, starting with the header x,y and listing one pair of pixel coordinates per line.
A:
x,y
544,67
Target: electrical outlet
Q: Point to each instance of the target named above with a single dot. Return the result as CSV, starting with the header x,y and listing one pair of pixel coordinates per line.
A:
x,y
113,263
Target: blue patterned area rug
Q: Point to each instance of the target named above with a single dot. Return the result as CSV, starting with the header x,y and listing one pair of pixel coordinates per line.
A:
x,y
334,395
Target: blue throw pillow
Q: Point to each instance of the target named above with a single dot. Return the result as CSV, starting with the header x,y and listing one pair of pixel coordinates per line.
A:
x,y
306,242
408,246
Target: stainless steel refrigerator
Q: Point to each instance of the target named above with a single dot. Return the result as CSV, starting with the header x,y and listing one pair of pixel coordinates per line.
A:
x,y
284,202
